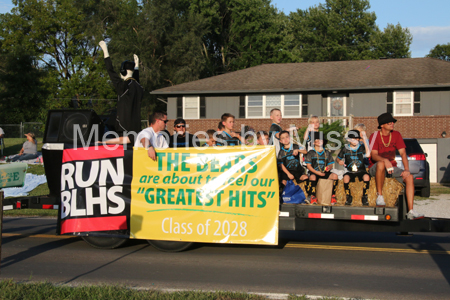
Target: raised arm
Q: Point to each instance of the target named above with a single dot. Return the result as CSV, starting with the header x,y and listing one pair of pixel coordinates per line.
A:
x,y
136,68
115,78
366,145
102,45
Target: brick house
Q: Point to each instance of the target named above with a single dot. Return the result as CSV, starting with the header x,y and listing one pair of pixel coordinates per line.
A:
x,y
415,90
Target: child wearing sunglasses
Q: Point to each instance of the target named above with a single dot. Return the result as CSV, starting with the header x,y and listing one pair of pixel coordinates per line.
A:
x,y
181,138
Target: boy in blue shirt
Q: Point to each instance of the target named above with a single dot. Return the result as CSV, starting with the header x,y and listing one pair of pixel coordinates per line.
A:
x,y
288,160
319,163
352,157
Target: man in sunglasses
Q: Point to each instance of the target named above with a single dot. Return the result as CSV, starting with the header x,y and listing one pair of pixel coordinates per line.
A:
x,y
129,92
182,139
152,137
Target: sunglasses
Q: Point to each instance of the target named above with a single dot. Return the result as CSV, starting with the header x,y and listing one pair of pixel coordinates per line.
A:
x,y
181,126
165,121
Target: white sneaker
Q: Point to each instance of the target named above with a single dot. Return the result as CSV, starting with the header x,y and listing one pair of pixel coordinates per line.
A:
x,y
413,215
380,201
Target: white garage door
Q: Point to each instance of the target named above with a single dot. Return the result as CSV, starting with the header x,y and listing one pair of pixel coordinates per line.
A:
x,y
431,150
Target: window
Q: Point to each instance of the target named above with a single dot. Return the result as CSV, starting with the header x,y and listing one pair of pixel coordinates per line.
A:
x,y
337,105
191,107
292,106
259,106
403,104
255,106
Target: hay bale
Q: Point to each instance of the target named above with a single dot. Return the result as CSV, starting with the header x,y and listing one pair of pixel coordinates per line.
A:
x,y
391,189
302,185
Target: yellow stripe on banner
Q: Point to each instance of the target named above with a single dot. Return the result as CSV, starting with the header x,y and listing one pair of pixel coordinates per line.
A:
x,y
368,249
45,236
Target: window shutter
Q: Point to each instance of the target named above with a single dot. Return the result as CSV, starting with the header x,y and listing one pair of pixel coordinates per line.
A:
x,y
202,107
179,107
242,107
390,97
305,105
390,102
417,102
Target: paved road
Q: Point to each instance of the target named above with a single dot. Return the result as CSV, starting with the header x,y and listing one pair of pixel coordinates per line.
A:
x,y
367,265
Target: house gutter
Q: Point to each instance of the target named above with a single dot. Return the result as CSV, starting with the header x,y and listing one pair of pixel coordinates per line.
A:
x,y
320,90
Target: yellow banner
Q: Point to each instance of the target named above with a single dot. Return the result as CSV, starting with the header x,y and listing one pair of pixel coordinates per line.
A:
x,y
227,195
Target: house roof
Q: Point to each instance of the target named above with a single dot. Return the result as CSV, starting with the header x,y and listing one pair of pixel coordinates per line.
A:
x,y
322,76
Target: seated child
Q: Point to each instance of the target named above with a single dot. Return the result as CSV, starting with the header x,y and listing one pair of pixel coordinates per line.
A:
x,y
288,159
364,140
319,163
210,141
275,128
220,128
313,126
228,137
352,157
262,138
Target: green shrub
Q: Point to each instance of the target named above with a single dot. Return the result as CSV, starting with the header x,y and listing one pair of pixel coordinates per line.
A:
x,y
335,131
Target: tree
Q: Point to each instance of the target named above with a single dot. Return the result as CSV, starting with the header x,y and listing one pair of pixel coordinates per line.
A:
x,y
242,34
165,35
22,91
440,52
393,42
55,33
346,30
336,30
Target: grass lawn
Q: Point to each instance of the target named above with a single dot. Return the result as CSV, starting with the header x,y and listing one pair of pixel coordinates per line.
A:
x,y
12,290
435,190
13,146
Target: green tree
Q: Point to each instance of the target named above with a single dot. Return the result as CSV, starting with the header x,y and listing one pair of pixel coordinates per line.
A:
x,y
393,42
56,33
346,30
22,91
242,34
165,35
440,52
334,31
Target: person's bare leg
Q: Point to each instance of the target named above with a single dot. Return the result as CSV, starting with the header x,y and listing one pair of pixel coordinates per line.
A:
x,y
380,176
346,179
409,191
118,140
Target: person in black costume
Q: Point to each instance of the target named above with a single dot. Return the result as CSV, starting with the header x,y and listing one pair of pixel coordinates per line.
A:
x,y
130,93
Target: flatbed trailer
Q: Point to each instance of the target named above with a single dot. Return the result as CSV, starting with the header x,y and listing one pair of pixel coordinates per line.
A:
x,y
292,217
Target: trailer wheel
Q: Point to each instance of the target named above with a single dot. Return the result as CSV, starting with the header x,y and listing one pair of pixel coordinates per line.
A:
x,y
104,242
170,246
425,192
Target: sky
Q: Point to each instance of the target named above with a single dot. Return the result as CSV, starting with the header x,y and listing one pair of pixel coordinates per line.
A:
x,y
428,21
